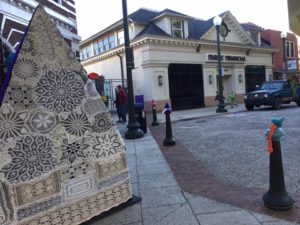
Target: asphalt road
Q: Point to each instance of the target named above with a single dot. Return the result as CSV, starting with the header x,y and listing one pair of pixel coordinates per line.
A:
x,y
233,146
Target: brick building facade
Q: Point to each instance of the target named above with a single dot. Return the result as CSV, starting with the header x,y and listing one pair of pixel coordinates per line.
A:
x,y
16,14
273,37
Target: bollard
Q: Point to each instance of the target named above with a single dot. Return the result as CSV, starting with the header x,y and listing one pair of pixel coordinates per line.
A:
x,y
143,122
154,121
276,198
169,140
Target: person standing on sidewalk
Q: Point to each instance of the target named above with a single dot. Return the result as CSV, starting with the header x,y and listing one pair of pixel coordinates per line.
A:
x,y
118,105
232,98
122,101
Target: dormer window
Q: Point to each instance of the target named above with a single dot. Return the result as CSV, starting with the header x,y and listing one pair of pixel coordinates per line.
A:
x,y
177,28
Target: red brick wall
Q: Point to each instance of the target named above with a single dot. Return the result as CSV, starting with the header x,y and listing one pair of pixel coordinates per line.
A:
x,y
274,38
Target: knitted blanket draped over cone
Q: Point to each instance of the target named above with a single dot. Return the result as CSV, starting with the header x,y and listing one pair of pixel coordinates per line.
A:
x,y
62,158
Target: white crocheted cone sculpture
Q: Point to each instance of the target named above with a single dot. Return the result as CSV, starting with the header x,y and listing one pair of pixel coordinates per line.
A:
x,y
62,158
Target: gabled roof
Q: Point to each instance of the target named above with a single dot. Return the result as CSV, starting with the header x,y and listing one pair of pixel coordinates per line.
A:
x,y
143,15
197,28
251,26
153,30
169,11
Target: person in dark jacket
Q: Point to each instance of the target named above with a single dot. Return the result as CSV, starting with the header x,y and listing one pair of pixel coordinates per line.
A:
x,y
118,105
122,102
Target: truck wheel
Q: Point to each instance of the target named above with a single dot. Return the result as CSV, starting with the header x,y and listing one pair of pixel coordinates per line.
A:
x,y
277,103
249,107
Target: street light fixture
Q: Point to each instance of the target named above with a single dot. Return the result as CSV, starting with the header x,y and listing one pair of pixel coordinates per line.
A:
x,y
221,106
283,37
133,131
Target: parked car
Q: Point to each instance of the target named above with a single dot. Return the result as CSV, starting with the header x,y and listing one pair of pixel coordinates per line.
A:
x,y
273,93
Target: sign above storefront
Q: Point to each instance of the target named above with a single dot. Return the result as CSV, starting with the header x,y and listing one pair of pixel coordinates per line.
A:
x,y
226,58
292,64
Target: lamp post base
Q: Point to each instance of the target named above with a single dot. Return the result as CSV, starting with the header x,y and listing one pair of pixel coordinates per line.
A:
x,y
281,202
134,134
169,141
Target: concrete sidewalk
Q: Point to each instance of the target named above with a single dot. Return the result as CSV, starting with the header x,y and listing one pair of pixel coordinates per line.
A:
x,y
199,112
162,200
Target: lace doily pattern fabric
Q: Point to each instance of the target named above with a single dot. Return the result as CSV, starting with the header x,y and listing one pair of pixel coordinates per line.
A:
x,y
60,91
11,125
76,169
42,121
32,157
62,159
90,90
74,151
85,208
107,144
94,106
76,124
20,97
111,166
6,208
103,122
28,193
38,207
26,70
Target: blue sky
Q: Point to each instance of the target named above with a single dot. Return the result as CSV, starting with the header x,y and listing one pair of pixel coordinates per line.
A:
x,y
95,15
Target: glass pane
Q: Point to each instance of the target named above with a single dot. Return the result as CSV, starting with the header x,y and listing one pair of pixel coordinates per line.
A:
x,y
95,48
287,49
292,50
176,24
177,33
111,38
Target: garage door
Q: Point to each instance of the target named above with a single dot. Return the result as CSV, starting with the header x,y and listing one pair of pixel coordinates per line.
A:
x,y
186,86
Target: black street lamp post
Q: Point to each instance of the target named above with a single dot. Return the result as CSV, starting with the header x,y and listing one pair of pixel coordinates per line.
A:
x,y
283,37
221,106
133,131
122,69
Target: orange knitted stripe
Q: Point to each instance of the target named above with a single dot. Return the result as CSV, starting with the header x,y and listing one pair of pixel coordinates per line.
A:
x,y
272,130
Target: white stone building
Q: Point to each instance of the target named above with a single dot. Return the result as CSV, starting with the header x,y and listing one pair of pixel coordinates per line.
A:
x,y
176,57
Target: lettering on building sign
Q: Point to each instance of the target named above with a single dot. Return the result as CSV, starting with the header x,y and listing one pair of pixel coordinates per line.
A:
x,y
227,58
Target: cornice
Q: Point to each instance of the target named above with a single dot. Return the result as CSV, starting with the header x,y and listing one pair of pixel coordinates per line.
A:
x,y
204,44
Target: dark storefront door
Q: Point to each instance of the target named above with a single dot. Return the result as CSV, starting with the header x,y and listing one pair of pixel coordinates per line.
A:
x,y
186,86
255,75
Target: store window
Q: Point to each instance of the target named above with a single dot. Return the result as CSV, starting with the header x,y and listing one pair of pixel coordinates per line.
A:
x,y
86,53
290,49
111,41
177,28
98,47
104,45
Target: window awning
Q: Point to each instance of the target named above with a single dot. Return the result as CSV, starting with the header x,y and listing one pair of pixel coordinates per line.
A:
x,y
94,76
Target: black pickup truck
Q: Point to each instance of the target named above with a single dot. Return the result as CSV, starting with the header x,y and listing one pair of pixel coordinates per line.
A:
x,y
273,93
